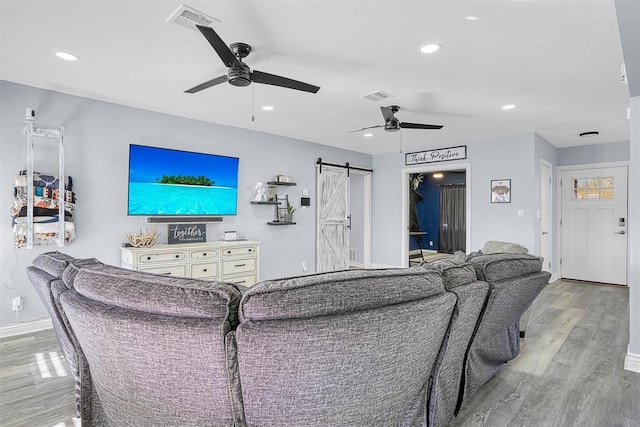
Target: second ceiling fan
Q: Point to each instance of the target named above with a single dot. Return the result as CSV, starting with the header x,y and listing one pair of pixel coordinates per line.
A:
x,y
239,73
392,124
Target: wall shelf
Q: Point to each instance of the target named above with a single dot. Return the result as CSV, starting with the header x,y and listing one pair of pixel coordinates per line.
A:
x,y
264,203
287,184
281,223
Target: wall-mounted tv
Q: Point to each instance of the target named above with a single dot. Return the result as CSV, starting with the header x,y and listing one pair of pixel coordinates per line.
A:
x,y
166,182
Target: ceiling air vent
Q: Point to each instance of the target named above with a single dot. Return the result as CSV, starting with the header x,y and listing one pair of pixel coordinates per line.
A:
x,y
189,17
377,95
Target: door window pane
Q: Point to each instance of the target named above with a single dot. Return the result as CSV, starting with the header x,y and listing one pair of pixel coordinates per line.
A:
x,y
600,188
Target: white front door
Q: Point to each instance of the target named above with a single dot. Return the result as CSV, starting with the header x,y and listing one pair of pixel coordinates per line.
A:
x,y
333,221
545,214
594,225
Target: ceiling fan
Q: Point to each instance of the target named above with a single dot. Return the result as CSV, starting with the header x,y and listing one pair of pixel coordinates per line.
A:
x,y
393,125
239,73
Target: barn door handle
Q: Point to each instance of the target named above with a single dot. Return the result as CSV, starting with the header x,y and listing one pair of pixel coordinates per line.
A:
x,y
620,232
349,225
544,232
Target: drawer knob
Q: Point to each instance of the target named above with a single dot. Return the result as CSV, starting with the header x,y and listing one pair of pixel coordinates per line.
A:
x,y
204,269
177,256
250,249
148,258
240,265
204,254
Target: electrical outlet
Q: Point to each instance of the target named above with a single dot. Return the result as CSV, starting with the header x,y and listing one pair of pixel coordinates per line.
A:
x,y
520,213
430,242
16,304
304,266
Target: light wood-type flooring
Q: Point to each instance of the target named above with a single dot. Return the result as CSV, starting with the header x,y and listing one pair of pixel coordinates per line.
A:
x,y
569,372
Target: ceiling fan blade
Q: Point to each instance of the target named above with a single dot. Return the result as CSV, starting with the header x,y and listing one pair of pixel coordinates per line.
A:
x,y
370,127
387,113
208,84
220,47
272,79
405,125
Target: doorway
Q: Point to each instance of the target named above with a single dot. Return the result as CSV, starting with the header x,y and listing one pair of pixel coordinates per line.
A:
x,y
594,223
545,213
426,231
343,217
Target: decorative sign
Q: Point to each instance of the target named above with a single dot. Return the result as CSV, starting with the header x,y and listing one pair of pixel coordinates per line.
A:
x,y
187,233
433,156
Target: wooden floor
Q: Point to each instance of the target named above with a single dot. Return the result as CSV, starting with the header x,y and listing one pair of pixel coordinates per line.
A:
x,y
569,372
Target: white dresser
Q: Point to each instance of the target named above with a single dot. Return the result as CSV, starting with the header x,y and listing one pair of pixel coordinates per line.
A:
x,y
233,262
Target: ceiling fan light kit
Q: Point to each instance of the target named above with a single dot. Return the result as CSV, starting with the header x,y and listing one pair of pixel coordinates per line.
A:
x,y
239,73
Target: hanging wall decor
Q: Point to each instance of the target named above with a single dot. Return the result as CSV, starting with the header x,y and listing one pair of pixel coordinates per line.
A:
x,y
501,191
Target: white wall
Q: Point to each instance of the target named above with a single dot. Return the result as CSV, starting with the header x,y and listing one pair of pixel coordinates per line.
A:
x,y
97,138
507,158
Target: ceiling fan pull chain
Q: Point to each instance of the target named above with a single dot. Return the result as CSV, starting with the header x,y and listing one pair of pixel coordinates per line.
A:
x,y
253,103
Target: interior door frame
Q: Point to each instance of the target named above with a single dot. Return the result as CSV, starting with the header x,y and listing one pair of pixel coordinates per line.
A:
x,y
429,168
560,171
367,197
550,260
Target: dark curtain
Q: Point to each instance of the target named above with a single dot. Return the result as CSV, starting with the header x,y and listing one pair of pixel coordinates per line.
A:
x,y
452,234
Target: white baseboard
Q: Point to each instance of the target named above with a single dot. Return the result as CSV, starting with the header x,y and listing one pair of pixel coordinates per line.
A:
x,y
375,265
632,362
13,329
356,264
554,277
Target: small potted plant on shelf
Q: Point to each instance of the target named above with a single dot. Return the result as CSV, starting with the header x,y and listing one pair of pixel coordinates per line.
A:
x,y
290,211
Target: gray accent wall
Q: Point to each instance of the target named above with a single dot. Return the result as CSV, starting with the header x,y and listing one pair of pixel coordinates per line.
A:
x,y
507,158
97,138
595,153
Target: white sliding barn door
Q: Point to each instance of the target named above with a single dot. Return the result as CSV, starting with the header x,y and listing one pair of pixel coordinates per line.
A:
x,y
333,219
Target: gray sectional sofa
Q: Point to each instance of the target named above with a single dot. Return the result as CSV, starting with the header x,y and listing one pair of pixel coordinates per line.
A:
x,y
366,347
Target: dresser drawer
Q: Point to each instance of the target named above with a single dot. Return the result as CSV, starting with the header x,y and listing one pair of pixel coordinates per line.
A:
x,y
201,255
203,271
246,250
161,257
238,266
245,280
175,270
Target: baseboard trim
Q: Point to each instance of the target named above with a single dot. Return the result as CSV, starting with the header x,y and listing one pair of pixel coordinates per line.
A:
x,y
356,264
632,362
375,265
13,329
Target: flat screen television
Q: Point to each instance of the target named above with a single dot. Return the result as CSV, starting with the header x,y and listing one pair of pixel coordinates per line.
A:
x,y
166,182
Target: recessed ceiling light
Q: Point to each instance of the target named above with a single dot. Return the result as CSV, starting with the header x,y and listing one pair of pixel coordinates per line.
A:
x,y
471,18
368,135
438,175
267,108
589,134
66,56
508,107
430,48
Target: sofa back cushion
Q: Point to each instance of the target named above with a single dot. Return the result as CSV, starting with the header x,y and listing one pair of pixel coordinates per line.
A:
x,y
501,266
53,263
149,368
152,293
337,292
454,273
356,348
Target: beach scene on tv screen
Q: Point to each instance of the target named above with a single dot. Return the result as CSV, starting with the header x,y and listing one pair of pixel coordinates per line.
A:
x,y
172,182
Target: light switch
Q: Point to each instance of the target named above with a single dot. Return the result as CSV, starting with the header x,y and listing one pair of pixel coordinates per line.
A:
x,y
305,192
520,213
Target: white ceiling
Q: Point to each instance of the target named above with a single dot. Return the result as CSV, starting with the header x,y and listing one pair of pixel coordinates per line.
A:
x,y
557,60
